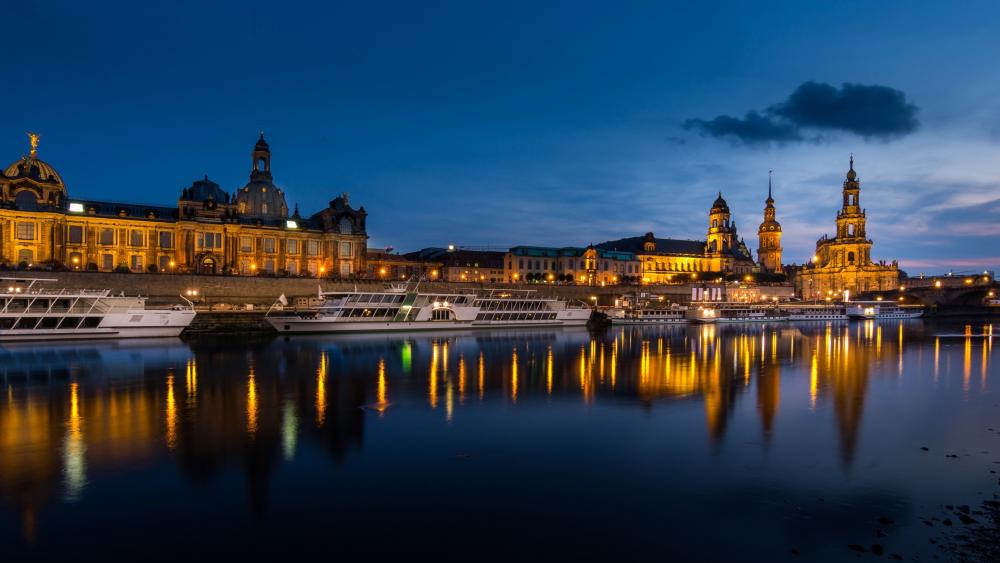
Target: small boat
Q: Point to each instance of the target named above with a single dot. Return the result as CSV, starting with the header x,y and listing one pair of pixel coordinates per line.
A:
x,y
31,312
860,310
400,308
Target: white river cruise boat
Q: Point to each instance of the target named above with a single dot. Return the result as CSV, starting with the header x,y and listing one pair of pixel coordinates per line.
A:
x,y
30,312
734,312
817,312
401,309
882,310
648,316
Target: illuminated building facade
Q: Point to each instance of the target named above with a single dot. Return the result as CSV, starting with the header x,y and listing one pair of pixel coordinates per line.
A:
x,y
843,262
663,259
209,231
463,265
769,237
586,266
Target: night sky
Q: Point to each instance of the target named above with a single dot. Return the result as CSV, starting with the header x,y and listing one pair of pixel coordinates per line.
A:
x,y
547,123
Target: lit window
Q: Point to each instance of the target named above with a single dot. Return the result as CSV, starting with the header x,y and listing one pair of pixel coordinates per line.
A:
x,y
26,231
76,208
291,224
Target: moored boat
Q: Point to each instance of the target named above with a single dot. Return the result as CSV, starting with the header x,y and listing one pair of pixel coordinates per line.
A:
x,y
399,308
860,310
31,312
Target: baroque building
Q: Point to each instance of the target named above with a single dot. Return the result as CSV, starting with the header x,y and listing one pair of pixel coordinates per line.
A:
x,y
210,231
843,262
769,236
722,251
583,266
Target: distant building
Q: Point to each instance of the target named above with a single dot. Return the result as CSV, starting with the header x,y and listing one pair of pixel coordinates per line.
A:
x,y
588,266
209,231
769,237
383,265
843,262
663,259
462,265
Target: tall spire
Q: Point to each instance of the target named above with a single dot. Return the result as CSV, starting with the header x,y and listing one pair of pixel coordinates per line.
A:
x,y
852,161
769,173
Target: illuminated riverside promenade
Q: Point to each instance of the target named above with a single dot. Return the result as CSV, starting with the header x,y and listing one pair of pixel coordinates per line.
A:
x,y
793,427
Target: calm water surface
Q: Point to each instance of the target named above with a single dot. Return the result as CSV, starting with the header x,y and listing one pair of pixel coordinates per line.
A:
x,y
709,443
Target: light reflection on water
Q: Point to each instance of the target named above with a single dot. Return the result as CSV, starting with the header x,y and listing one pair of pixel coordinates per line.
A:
x,y
645,429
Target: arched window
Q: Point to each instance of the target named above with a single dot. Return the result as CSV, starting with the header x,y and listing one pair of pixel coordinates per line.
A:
x,y
850,257
347,227
261,164
243,207
263,209
26,200
715,223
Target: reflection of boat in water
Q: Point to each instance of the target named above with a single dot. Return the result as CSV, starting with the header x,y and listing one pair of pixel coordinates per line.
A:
x,y
882,310
28,312
734,312
402,309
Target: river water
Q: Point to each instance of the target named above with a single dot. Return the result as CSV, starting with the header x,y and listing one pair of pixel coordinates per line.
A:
x,y
757,442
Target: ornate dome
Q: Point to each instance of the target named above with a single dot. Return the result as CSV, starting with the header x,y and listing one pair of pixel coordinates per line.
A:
x,y
262,200
720,205
34,168
205,189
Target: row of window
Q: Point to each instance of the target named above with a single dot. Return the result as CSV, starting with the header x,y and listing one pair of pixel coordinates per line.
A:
x,y
75,234
515,316
588,264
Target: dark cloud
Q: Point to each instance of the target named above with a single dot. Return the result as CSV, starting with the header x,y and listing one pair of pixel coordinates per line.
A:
x,y
754,128
878,112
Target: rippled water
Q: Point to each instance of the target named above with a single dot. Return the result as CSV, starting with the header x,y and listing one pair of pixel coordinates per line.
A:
x,y
742,442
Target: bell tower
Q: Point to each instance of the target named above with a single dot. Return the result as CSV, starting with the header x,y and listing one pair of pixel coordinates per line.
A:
x,y
769,236
851,223
261,161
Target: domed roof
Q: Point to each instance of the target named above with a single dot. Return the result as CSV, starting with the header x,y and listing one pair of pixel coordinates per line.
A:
x,y
261,200
851,174
34,168
205,189
720,204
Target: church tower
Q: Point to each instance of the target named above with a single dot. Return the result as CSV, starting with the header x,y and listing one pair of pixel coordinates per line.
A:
x,y
769,236
721,232
851,246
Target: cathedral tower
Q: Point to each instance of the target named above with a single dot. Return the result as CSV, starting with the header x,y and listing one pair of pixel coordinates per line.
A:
x,y
769,236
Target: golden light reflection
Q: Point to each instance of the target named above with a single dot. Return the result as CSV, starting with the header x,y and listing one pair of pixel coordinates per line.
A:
x,y
813,380
461,378
432,383
482,375
191,383
549,369
513,376
937,357
74,448
382,390
967,360
171,415
252,407
321,390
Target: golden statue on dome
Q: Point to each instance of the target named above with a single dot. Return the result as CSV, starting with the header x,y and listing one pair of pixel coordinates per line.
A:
x,y
34,142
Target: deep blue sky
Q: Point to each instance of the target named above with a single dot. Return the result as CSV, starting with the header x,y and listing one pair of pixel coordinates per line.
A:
x,y
532,123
